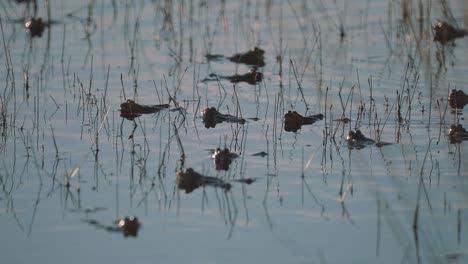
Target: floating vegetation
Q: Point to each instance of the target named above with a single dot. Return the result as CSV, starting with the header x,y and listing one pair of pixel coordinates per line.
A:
x,y
260,154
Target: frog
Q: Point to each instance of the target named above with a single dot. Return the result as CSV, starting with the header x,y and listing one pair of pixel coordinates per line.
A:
x,y
211,117
457,99
223,158
293,121
189,180
130,110
445,32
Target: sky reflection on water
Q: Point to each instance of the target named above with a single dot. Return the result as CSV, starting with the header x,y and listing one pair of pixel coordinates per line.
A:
x,y
72,166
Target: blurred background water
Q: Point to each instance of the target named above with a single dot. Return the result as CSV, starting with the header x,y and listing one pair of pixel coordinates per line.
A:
x,y
72,166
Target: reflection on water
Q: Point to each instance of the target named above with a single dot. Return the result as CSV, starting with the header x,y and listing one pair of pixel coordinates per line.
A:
x,y
379,69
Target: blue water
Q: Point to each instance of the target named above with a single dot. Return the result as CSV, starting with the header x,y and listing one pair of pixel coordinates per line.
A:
x,y
313,200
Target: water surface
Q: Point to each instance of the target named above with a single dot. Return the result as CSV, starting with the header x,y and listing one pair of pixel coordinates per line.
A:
x,y
71,166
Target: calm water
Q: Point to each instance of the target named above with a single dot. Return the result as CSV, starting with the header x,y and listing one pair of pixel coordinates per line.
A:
x,y
71,166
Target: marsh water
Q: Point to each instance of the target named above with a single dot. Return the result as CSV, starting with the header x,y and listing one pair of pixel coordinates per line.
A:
x,y
72,166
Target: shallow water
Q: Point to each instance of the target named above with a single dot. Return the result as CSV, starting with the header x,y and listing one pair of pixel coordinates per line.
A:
x,y
71,166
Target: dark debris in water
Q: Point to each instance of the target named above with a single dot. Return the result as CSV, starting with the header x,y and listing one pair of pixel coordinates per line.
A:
x,y
23,1
91,210
293,121
260,154
246,180
344,120
455,256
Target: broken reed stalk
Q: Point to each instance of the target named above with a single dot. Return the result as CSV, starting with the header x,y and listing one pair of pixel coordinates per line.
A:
x,y
123,87
105,87
10,74
371,100
299,82
55,142
325,131
179,83
179,142
421,186
345,105
62,58
238,108
220,86
359,88
379,134
408,111
156,89
430,107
